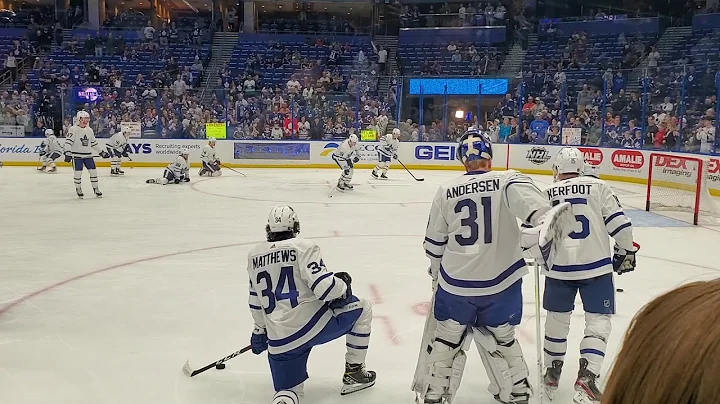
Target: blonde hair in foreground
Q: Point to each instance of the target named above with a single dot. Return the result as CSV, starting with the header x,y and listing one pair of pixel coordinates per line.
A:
x,y
671,352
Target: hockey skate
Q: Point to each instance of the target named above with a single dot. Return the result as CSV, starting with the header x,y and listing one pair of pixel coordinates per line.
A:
x,y
41,169
375,175
348,186
52,170
150,181
79,192
551,381
97,193
586,389
356,378
518,398
113,172
383,176
120,172
201,172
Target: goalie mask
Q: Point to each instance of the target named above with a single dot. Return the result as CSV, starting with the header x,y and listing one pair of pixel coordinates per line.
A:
x,y
282,219
568,161
474,145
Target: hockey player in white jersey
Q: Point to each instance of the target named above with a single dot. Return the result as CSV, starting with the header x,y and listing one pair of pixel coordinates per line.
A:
x,y
389,145
583,264
50,151
297,303
176,172
346,155
210,162
79,145
474,244
117,148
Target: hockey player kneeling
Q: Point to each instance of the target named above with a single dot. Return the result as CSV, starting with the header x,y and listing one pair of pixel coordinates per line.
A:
x,y
297,303
477,271
210,162
176,172
50,150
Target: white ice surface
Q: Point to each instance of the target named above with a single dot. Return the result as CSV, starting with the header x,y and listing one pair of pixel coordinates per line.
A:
x,y
103,300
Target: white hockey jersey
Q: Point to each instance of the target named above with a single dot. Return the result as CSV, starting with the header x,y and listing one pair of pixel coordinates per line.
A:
x,y
208,154
52,145
586,252
473,237
80,142
388,145
289,289
117,142
180,168
345,152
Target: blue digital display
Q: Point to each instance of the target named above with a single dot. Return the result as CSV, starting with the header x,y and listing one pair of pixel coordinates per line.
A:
x,y
458,86
272,151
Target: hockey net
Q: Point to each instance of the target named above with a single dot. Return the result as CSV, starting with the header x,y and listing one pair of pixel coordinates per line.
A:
x,y
680,183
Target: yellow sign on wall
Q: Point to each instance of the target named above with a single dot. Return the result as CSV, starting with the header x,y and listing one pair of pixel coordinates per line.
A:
x,y
217,130
368,135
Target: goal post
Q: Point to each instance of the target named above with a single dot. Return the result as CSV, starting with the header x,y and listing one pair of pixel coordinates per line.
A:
x,y
679,183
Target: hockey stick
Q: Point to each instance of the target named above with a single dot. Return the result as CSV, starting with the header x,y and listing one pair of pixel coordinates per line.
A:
x,y
538,331
411,174
189,372
223,165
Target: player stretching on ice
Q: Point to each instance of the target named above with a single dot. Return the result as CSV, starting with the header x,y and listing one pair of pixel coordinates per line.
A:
x,y
387,151
473,242
210,162
51,150
583,264
176,172
79,145
346,156
297,304
118,147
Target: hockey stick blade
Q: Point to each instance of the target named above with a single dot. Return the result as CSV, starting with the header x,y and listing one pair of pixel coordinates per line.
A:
x,y
189,372
411,174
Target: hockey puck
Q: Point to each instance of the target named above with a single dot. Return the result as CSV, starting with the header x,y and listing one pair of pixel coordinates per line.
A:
x,y
220,366
619,290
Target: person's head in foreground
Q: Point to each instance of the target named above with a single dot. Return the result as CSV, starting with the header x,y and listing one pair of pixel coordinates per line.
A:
x,y
671,352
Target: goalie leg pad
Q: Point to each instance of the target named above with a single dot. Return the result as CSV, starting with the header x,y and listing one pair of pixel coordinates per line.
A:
x,y
503,359
445,362
594,344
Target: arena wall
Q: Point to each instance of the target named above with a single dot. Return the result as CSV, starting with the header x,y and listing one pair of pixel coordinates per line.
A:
x,y
627,165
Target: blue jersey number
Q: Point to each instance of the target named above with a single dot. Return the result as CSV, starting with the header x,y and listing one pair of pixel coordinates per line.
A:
x,y
584,221
471,221
286,277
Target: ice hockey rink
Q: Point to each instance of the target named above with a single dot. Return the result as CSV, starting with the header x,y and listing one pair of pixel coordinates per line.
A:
x,y
103,300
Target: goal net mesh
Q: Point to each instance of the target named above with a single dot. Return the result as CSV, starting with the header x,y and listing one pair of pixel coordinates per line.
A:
x,y
681,184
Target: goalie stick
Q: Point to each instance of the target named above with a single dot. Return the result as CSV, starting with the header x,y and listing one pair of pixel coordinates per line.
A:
x,y
189,372
411,174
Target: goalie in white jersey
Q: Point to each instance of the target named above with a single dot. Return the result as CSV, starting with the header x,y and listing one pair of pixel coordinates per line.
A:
x,y
389,145
297,303
117,148
50,151
583,264
346,156
176,172
80,143
210,162
474,244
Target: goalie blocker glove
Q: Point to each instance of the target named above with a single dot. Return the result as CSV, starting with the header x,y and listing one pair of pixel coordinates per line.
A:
x,y
624,260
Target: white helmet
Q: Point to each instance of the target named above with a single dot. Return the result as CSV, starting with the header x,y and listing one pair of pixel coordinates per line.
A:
x,y
49,132
396,132
569,161
282,219
82,114
353,138
211,140
184,152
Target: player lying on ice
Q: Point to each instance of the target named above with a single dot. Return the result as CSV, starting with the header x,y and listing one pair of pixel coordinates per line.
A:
x,y
297,303
476,263
176,172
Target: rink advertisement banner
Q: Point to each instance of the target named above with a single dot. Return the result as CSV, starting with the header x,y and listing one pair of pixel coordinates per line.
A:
x,y
271,151
12,131
20,149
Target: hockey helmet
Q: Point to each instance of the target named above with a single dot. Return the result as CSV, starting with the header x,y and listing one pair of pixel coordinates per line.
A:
x,y
49,132
82,114
396,133
184,152
474,144
211,140
353,139
282,219
569,161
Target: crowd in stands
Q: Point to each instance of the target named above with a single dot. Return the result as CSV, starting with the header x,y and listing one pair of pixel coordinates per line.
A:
x,y
453,15
301,21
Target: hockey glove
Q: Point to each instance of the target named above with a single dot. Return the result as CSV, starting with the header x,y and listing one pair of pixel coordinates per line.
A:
x,y
68,157
395,156
104,154
356,159
126,151
624,260
177,180
259,340
186,179
342,301
42,153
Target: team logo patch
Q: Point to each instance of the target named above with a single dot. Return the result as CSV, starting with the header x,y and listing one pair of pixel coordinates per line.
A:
x,y
606,303
538,155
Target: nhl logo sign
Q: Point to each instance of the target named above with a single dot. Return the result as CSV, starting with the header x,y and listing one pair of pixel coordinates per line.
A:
x,y
538,155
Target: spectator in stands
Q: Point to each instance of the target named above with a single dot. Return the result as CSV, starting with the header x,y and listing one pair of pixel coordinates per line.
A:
x,y
653,59
11,65
149,32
